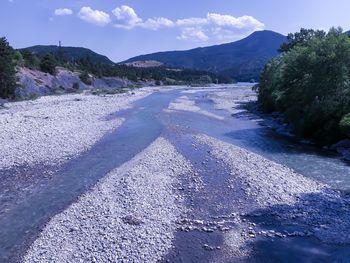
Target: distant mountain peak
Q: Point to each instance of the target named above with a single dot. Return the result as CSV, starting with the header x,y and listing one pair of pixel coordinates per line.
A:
x,y
242,60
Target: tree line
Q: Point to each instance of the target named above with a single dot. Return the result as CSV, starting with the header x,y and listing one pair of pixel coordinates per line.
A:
x,y
309,82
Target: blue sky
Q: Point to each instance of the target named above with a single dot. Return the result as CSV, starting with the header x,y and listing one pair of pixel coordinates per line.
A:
x,y
122,29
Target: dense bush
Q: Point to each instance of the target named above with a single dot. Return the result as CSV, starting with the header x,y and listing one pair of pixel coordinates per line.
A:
x,y
30,60
85,78
7,69
344,124
48,64
310,83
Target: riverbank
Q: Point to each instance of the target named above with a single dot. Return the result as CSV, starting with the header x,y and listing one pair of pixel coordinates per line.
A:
x,y
39,137
53,129
242,101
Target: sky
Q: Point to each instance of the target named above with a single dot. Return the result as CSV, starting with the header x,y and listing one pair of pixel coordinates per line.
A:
x,y
121,29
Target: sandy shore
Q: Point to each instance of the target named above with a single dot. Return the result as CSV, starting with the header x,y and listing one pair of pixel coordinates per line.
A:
x,y
53,129
129,216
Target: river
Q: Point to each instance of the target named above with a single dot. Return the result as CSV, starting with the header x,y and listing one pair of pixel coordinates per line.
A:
x,y
20,224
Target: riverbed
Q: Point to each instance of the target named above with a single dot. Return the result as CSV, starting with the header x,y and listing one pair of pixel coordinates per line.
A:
x,y
237,190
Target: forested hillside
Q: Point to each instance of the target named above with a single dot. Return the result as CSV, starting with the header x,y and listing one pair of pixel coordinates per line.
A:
x,y
68,53
310,84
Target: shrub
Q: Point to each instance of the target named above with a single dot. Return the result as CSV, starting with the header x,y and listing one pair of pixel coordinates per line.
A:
x,y
18,58
85,78
48,64
344,124
30,60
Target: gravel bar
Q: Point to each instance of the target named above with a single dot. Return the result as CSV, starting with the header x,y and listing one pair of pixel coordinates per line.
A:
x,y
129,216
231,98
289,197
185,104
53,129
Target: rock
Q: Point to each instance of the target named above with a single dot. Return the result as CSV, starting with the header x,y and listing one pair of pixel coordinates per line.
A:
x,y
208,248
132,220
208,230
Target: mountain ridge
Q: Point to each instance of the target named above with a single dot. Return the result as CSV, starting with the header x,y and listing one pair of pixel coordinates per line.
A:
x,y
242,59
71,53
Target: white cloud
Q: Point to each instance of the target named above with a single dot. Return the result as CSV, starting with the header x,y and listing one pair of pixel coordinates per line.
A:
x,y
233,22
217,26
193,34
213,26
190,22
156,23
96,17
63,12
126,17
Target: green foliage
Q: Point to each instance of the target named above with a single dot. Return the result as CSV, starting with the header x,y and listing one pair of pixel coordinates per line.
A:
x,y
310,84
301,38
48,64
84,77
7,70
18,58
30,60
344,124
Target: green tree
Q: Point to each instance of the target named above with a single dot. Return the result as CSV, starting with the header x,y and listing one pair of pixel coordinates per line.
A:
x,y
301,38
7,70
48,64
30,60
18,58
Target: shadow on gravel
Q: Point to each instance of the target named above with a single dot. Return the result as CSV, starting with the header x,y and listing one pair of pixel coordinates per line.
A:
x,y
210,203
315,229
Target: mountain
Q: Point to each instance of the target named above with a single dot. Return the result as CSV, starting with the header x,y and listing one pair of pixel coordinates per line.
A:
x,y
242,60
70,53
